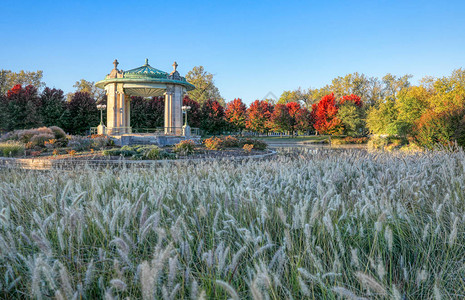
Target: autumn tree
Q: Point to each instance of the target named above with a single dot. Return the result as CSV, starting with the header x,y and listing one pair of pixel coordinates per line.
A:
x,y
236,114
8,79
205,88
281,120
212,119
325,114
20,108
258,116
303,120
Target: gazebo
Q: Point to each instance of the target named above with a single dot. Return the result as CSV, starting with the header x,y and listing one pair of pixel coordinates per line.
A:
x,y
144,81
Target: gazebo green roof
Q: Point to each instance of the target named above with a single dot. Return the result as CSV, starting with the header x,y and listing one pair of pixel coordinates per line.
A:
x,y
145,71
146,75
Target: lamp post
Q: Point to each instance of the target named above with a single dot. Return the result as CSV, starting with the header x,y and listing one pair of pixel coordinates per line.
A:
x,y
101,107
185,109
101,128
186,130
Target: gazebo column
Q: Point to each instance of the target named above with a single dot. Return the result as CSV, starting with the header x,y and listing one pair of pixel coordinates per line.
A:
x,y
128,113
177,111
169,118
173,110
112,107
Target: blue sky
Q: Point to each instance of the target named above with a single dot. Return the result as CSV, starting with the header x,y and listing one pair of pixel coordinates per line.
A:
x,y
252,47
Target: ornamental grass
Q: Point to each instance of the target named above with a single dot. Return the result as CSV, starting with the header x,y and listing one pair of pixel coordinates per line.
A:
x,y
306,224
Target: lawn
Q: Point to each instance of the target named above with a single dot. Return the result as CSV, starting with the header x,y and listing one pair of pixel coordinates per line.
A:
x,y
306,224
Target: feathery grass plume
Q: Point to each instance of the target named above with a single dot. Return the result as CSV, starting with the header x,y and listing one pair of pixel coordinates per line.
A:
x,y
231,291
203,295
303,287
59,295
89,275
453,233
395,294
388,237
345,293
380,270
109,295
425,232
328,224
370,283
194,290
118,284
422,276
354,257
437,292
66,282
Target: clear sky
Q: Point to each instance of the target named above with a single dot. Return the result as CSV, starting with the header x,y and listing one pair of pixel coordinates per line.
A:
x,y
252,47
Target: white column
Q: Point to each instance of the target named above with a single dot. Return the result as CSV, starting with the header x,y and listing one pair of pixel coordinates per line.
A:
x,y
168,111
128,113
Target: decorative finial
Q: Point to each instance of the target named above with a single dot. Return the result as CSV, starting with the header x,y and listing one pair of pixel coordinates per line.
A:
x,y
116,63
175,66
146,61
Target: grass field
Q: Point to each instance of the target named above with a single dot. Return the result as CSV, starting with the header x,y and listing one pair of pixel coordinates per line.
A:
x,y
308,224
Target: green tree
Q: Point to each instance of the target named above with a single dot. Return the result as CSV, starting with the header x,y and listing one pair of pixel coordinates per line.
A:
x,y
82,112
8,79
85,86
382,119
352,118
52,107
410,106
449,92
291,96
205,88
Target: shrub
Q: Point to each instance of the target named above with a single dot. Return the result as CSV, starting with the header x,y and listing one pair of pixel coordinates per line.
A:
x,y
29,135
40,139
349,140
213,143
50,144
100,141
11,149
152,154
377,142
80,143
248,148
257,144
185,147
139,152
230,142
439,128
58,132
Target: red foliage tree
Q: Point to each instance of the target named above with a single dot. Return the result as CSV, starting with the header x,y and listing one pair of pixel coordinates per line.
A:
x,y
353,98
281,120
21,108
194,114
212,117
325,114
258,116
236,114
293,108
303,120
